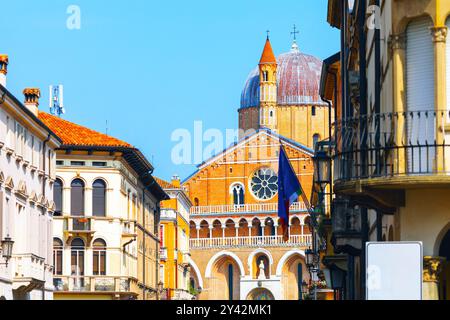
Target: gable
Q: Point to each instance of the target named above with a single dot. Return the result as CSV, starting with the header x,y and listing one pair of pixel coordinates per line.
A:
x,y
261,147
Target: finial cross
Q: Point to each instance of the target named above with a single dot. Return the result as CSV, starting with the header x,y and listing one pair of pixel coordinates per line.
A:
x,y
295,32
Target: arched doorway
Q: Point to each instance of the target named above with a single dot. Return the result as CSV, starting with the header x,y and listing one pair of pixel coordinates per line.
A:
x,y
224,271
444,251
260,294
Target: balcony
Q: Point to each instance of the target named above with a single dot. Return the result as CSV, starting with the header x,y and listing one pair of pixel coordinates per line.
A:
x,y
79,226
30,272
243,209
163,254
393,145
302,241
92,284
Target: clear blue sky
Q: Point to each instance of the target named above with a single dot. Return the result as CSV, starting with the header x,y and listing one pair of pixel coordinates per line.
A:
x,y
150,67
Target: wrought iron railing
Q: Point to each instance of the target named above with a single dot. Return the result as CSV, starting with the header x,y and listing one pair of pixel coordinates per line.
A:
x,y
392,144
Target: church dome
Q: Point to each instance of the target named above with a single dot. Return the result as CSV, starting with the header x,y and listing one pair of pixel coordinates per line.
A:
x,y
298,79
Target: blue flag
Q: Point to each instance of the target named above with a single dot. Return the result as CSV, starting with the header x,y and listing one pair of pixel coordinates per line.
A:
x,y
289,190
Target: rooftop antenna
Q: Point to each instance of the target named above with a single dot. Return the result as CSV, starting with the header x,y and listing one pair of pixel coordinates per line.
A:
x,y
56,100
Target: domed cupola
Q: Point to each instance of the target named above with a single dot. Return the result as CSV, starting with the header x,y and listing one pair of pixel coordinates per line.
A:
x,y
298,78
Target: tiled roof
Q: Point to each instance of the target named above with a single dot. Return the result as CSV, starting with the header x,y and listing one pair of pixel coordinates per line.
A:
x,y
75,135
164,184
267,55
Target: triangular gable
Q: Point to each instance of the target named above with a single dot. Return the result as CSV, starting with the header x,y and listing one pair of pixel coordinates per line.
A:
x,y
247,141
22,189
252,137
33,197
9,184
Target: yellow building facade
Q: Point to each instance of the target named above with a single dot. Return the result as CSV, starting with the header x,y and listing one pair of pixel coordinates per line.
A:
x,y
174,237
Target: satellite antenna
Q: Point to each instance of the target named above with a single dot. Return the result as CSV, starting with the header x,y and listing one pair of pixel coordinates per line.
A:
x,y
57,100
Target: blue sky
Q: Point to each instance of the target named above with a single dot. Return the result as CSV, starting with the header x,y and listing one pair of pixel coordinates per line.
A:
x,y
150,67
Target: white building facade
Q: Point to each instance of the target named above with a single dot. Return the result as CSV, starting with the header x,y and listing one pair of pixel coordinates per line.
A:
x,y
27,174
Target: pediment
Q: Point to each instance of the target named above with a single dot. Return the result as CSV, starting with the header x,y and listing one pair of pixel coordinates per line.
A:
x,y
262,146
22,189
33,197
9,183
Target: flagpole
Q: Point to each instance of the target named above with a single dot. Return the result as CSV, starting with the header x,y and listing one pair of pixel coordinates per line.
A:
x,y
313,224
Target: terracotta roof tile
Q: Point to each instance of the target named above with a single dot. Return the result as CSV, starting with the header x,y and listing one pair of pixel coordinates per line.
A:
x,y
267,55
74,134
164,184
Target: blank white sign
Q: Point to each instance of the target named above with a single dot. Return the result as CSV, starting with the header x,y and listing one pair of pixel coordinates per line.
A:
x,y
394,270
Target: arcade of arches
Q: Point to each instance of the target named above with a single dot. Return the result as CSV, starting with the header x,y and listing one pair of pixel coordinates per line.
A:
x,y
249,274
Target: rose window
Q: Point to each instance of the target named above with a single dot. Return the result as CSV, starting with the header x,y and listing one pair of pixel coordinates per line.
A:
x,y
264,184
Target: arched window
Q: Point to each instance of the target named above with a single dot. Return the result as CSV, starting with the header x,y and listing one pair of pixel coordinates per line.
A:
x,y
58,197
196,202
57,256
265,76
238,194
270,227
99,258
77,198
77,257
99,198
230,282
316,138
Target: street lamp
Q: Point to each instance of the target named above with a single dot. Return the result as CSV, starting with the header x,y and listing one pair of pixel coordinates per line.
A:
x,y
322,165
7,247
309,255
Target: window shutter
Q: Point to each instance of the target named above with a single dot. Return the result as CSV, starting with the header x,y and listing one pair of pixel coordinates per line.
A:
x,y
420,95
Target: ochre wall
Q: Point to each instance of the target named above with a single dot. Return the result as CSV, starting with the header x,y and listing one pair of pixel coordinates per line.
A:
x,y
211,185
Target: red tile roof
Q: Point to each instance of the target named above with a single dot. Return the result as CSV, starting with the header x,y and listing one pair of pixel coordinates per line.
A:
x,y
164,184
75,135
267,55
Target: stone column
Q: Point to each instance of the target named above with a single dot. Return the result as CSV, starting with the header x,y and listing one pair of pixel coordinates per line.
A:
x,y
210,231
432,268
398,45
198,231
439,35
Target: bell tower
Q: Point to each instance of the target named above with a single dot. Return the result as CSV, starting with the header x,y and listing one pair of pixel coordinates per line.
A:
x,y
268,88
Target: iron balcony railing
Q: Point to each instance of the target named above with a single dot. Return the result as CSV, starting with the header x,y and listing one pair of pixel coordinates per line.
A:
x,y
392,144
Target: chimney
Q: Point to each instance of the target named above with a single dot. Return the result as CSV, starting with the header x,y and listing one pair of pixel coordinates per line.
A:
x,y
176,181
3,68
32,96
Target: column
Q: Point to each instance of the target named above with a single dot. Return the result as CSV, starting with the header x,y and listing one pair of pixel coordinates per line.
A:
x,y
432,268
439,35
398,46
198,231
88,202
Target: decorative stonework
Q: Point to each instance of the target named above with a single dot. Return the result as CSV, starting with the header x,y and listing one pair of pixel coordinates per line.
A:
x,y
439,34
397,42
432,268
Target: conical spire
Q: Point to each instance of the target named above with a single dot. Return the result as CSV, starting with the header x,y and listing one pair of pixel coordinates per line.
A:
x,y
267,56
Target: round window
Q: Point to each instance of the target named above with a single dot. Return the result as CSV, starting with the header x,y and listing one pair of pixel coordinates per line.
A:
x,y
264,184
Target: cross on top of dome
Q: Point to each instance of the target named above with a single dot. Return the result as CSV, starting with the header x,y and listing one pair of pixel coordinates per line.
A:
x,y
294,47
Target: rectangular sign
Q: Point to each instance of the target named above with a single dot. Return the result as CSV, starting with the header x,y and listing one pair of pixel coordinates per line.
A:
x,y
394,270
